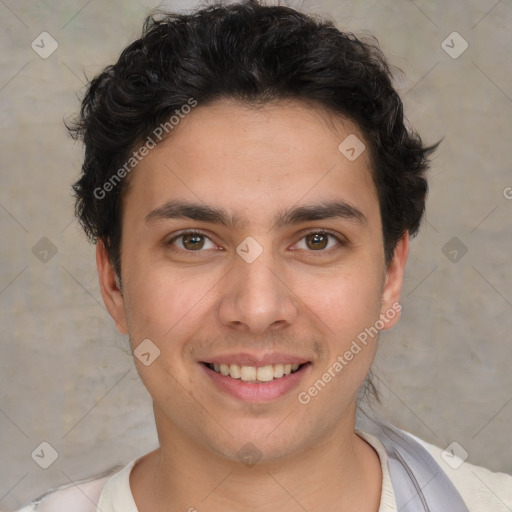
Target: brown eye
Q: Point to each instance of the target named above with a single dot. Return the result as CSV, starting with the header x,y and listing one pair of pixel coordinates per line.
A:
x,y
317,240
192,241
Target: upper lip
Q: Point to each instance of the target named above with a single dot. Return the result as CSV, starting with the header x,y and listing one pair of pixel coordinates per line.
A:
x,y
244,359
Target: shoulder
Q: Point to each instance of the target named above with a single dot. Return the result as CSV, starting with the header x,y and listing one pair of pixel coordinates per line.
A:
x,y
82,496
481,489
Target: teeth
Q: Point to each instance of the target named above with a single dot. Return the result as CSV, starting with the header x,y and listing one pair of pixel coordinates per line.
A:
x,y
234,371
255,373
278,371
265,373
247,373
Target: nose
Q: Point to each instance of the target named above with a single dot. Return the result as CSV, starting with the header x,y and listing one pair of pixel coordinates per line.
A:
x,y
256,296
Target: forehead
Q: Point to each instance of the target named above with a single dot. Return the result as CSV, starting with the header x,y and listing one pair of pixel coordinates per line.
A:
x,y
255,159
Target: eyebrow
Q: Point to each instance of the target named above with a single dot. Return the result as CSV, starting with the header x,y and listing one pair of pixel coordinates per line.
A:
x,y
177,209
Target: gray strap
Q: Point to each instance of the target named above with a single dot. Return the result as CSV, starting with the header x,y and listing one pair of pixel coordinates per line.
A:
x,y
419,483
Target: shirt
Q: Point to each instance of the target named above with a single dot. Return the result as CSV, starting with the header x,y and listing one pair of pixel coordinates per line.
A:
x,y
482,490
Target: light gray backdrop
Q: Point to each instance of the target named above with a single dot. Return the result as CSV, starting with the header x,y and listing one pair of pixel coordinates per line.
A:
x,y
67,377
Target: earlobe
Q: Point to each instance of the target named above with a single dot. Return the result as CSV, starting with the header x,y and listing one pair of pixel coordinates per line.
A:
x,y
110,288
393,285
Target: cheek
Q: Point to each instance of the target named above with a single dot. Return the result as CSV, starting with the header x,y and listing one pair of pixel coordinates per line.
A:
x,y
153,306
168,307
347,305
345,301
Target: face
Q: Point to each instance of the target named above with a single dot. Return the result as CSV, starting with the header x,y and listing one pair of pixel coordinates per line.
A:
x,y
252,259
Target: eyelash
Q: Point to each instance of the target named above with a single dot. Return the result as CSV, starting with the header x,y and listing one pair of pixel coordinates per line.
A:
x,y
340,241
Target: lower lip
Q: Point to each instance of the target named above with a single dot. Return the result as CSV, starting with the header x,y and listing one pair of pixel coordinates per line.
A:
x,y
257,391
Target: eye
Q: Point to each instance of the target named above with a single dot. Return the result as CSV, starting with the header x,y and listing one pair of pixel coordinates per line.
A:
x,y
315,241
319,241
192,241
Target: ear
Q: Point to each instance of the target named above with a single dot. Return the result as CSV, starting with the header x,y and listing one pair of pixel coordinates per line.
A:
x,y
393,284
110,288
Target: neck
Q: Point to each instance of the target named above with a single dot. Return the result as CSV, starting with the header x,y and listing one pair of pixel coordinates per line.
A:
x,y
341,472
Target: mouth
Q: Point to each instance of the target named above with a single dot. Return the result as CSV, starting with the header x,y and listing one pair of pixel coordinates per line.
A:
x,y
261,383
267,373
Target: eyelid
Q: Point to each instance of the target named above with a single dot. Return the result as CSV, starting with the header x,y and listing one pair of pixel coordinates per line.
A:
x,y
342,241
184,232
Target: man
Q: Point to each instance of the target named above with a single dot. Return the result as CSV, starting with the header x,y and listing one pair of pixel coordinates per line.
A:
x,y
252,188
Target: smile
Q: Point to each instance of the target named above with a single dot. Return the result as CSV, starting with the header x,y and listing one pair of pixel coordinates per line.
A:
x,y
265,373
256,379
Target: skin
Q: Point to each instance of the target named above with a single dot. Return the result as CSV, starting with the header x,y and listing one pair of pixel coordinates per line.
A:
x,y
295,298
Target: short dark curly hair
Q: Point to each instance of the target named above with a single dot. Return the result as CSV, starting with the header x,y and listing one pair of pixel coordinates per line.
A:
x,y
255,54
